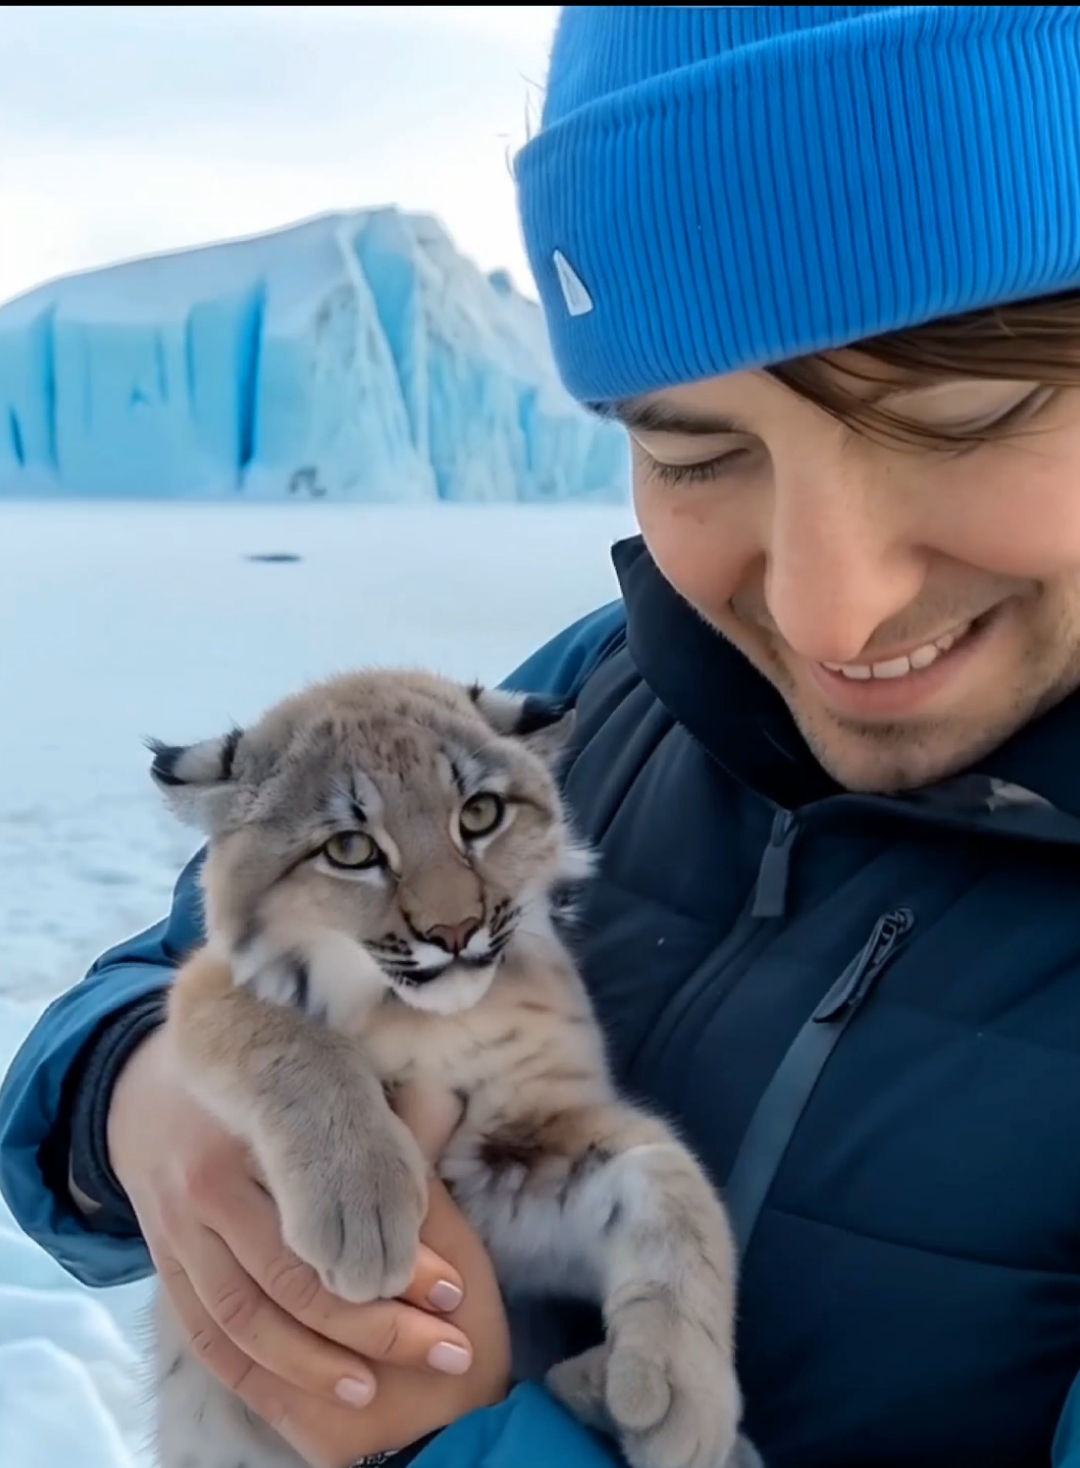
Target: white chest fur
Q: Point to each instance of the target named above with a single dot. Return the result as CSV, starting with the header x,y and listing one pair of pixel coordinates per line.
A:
x,y
533,1030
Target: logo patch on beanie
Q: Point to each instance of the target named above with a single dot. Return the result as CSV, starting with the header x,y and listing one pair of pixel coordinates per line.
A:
x,y
577,298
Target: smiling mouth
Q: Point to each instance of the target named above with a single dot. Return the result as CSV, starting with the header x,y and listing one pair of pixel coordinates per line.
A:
x,y
918,660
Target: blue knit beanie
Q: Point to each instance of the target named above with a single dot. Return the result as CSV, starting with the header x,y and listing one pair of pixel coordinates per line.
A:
x,y
722,187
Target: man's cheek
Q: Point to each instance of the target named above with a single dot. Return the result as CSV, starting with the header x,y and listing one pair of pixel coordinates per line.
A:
x,y
697,559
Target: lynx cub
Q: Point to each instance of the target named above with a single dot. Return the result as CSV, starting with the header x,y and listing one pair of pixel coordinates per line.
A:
x,y
383,850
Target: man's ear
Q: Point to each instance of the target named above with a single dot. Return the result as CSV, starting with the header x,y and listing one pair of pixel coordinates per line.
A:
x,y
543,724
196,779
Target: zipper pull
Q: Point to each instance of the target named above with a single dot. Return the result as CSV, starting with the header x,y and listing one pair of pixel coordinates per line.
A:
x,y
853,985
770,892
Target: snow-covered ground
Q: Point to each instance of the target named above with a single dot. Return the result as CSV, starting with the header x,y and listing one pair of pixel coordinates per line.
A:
x,y
72,1391
121,621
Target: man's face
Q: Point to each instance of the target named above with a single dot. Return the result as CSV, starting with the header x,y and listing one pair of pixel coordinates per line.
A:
x,y
914,607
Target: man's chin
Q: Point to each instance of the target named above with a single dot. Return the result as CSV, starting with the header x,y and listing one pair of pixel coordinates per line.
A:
x,y
886,759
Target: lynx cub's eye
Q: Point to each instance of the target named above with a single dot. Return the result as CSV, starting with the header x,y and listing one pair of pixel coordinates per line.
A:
x,y
352,849
481,814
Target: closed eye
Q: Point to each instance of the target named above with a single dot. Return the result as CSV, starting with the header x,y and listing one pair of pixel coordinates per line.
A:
x,y
1027,410
702,472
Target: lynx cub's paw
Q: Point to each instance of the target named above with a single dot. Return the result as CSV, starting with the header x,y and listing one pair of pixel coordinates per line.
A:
x,y
352,1204
663,1386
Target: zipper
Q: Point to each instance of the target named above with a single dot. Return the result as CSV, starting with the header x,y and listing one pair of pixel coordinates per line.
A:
x,y
784,1100
855,983
770,891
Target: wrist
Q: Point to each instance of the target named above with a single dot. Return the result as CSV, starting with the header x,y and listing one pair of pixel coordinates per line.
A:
x,y
127,1101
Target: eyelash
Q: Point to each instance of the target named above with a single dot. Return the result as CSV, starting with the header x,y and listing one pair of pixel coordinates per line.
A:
x,y
701,473
1026,410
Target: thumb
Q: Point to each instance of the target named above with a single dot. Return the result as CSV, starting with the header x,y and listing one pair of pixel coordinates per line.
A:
x,y
431,1114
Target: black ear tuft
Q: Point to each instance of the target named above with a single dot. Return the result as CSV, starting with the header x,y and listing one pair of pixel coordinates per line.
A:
x,y
537,712
197,780
166,757
519,714
228,751
209,762
541,722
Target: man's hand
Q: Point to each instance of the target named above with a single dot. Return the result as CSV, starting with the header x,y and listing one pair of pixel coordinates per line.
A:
x,y
411,1403
260,1320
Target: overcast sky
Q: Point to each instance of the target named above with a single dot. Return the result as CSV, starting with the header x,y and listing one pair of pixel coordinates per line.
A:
x,y
131,129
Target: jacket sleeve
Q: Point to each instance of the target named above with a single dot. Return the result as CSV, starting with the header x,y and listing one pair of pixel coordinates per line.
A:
x,y
1066,1452
561,667
37,1095
529,1430
35,1099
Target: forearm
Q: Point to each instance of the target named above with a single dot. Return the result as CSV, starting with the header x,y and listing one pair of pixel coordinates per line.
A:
x,y
53,1101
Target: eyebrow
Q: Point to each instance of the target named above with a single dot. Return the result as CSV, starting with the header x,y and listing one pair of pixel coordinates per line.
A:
x,y
647,416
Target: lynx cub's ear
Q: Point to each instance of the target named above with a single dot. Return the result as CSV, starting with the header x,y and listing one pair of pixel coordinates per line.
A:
x,y
196,779
543,724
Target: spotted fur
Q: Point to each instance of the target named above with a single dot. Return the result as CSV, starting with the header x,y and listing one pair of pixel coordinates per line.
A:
x,y
437,960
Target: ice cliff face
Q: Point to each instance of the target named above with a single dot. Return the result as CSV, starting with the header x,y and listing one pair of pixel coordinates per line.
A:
x,y
356,356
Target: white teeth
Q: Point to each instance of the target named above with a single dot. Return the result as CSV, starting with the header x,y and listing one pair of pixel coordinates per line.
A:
x,y
916,660
894,668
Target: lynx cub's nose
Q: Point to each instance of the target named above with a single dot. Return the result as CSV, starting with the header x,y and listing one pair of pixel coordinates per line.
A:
x,y
453,936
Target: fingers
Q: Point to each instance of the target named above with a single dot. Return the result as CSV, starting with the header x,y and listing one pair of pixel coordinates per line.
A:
x,y
435,1285
319,1431
231,1325
402,1334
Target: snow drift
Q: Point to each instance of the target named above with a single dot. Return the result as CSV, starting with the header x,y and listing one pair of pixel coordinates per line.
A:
x,y
72,1387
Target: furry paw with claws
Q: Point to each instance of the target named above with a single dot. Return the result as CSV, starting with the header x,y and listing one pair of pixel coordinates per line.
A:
x,y
662,1386
353,1209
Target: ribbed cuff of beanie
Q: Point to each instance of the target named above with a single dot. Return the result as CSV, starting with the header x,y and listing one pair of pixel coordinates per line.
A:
x,y
721,187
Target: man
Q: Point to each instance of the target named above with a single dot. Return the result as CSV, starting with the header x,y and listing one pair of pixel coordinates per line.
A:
x,y
818,260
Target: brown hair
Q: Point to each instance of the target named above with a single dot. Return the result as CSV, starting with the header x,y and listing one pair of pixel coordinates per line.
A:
x,y
1029,341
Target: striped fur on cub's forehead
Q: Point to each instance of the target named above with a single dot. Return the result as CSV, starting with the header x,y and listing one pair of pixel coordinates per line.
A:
x,y
364,739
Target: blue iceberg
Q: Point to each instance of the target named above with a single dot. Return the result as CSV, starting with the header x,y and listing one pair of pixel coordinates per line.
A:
x,y
356,356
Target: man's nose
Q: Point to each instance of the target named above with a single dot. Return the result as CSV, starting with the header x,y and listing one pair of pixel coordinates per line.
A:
x,y
839,562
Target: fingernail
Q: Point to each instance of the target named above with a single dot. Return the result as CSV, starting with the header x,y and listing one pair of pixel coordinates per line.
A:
x,y
454,1360
444,1296
354,1391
